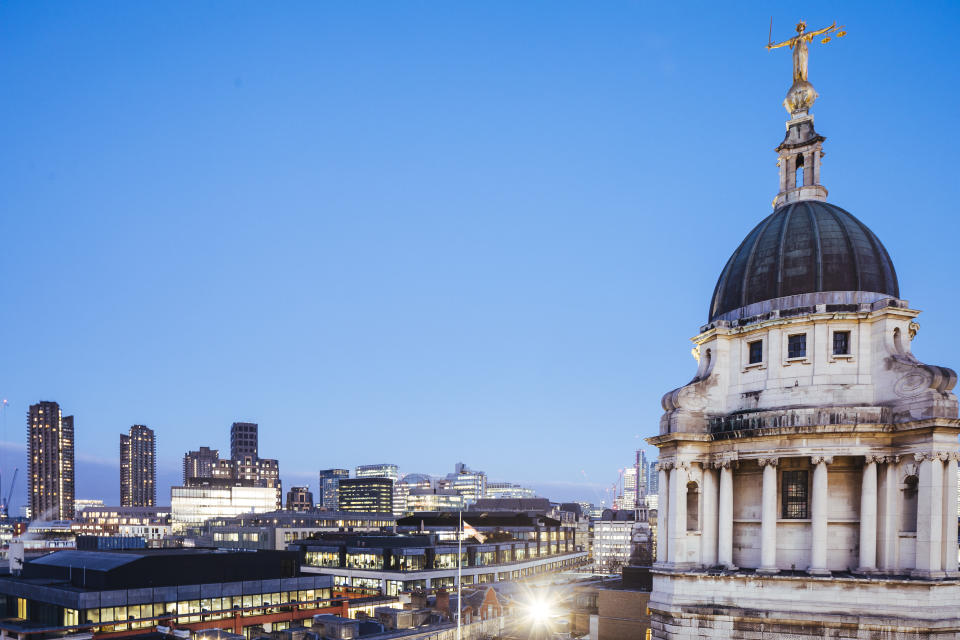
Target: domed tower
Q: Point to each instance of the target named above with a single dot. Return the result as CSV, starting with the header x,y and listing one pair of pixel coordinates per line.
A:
x,y
808,472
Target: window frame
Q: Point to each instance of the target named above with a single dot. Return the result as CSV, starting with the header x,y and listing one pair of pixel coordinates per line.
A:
x,y
787,500
791,338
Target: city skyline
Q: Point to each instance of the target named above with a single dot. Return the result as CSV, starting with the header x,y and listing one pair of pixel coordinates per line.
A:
x,y
348,253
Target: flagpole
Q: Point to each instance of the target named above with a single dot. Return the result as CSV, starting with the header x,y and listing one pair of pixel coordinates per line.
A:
x,y
459,571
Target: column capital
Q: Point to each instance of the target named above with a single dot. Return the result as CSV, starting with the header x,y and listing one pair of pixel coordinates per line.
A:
x,y
894,459
921,456
943,455
771,461
872,458
724,462
666,465
815,460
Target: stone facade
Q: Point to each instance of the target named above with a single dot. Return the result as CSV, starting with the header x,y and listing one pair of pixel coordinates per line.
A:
x,y
808,472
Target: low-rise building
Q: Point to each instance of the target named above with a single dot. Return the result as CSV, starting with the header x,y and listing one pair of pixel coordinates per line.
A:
x,y
104,592
393,563
612,539
149,523
277,529
191,506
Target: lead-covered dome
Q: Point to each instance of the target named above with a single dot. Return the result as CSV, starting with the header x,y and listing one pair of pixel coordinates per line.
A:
x,y
805,247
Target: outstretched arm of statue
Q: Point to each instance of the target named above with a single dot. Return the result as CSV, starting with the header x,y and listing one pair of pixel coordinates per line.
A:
x,y
785,43
814,34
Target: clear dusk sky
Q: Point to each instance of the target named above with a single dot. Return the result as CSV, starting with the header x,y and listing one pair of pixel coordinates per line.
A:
x,y
426,232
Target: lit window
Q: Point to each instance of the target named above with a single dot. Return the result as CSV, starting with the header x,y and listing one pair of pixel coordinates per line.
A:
x,y
797,346
756,351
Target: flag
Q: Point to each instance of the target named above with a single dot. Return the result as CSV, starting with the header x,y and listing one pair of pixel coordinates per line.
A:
x,y
471,532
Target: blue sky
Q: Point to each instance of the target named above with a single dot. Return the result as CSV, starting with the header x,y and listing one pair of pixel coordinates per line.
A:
x,y
425,232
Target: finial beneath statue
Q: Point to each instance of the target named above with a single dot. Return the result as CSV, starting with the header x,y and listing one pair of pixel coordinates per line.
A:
x,y
801,95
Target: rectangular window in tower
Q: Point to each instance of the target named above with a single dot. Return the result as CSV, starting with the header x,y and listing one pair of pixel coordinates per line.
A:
x,y
795,495
841,343
756,351
797,346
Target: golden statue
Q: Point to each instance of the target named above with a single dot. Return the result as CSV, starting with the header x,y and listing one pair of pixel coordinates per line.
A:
x,y
801,95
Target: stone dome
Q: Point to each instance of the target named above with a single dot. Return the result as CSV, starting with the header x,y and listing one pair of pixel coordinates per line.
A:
x,y
802,248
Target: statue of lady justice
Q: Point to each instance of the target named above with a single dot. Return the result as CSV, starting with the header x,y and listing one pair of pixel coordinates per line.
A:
x,y
801,95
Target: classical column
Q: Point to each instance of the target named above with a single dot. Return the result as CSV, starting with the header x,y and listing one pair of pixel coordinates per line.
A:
x,y
678,514
888,517
708,517
818,517
929,517
663,510
725,516
950,515
868,515
768,517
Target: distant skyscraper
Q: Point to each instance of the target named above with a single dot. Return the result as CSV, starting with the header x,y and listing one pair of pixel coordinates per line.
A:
x,y
378,471
472,485
330,487
508,490
370,495
243,441
653,478
50,468
299,499
200,463
138,467
629,500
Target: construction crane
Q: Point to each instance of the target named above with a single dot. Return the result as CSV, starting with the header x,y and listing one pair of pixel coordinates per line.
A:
x,y
5,500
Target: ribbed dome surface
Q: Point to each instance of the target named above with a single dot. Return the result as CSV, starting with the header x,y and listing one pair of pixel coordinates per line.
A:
x,y
804,247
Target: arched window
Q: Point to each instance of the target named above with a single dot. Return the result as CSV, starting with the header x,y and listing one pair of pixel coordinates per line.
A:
x,y
798,180
693,506
908,511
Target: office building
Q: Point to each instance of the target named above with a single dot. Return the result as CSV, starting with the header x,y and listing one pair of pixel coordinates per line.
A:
x,y
429,499
424,554
243,441
472,485
277,529
149,523
50,464
378,471
299,499
194,504
630,484
508,490
330,487
108,593
200,463
138,467
653,479
390,471
369,495
612,539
